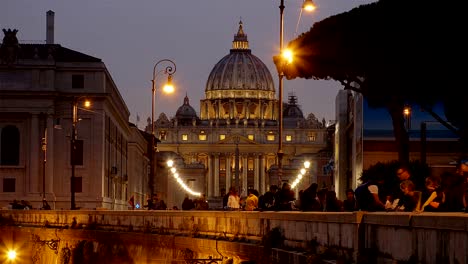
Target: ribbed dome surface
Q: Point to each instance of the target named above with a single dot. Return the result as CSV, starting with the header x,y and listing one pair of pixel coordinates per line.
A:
x,y
240,70
293,112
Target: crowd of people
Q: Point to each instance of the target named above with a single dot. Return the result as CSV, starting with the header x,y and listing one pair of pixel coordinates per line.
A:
x,y
447,193
25,205
444,193
196,204
154,203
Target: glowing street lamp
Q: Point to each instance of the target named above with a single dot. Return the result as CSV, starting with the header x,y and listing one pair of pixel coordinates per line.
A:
x,y
11,255
170,69
288,56
407,114
308,5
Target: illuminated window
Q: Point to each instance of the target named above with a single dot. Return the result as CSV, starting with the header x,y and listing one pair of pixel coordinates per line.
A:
x,y
250,164
184,137
251,137
162,135
202,135
288,138
222,136
271,137
311,137
222,164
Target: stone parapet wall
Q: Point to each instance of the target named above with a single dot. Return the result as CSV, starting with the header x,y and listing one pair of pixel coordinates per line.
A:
x,y
424,237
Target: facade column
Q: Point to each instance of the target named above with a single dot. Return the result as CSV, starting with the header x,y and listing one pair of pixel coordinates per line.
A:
x,y
244,109
228,172
256,174
261,105
265,183
218,103
216,182
314,171
232,109
244,174
32,181
210,175
216,168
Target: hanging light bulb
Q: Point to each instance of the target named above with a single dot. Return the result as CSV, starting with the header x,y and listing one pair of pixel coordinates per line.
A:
x,y
308,5
168,87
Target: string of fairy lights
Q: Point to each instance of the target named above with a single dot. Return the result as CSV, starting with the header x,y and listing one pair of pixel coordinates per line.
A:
x,y
301,174
175,174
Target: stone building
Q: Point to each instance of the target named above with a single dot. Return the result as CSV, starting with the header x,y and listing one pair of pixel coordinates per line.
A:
x,y
234,139
40,86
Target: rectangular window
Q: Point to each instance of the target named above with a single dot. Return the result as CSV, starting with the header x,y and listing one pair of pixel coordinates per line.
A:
x,y
78,184
222,164
222,136
250,164
202,137
77,81
251,137
162,135
9,185
271,137
311,137
288,138
184,137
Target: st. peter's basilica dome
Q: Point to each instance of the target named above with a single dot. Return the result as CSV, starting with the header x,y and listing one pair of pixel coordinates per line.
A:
x,y
240,86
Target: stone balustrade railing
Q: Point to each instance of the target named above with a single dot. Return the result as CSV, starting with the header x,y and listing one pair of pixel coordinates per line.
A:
x,y
423,237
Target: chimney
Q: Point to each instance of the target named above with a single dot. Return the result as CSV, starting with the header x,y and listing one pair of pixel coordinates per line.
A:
x,y
50,27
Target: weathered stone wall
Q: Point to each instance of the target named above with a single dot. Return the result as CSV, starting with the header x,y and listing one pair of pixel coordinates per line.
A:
x,y
360,237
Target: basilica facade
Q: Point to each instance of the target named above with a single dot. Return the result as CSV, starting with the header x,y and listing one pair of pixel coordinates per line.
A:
x,y
233,141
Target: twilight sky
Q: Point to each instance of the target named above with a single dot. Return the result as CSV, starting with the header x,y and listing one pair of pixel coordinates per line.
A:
x,y
131,36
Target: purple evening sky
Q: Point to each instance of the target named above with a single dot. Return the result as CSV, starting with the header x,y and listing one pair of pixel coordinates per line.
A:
x,y
131,36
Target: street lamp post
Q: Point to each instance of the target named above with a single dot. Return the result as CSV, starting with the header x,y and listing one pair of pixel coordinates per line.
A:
x,y
170,69
308,5
44,160
44,154
407,114
280,101
73,152
73,147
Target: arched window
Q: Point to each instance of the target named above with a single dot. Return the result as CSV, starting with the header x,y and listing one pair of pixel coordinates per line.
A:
x,y
9,146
